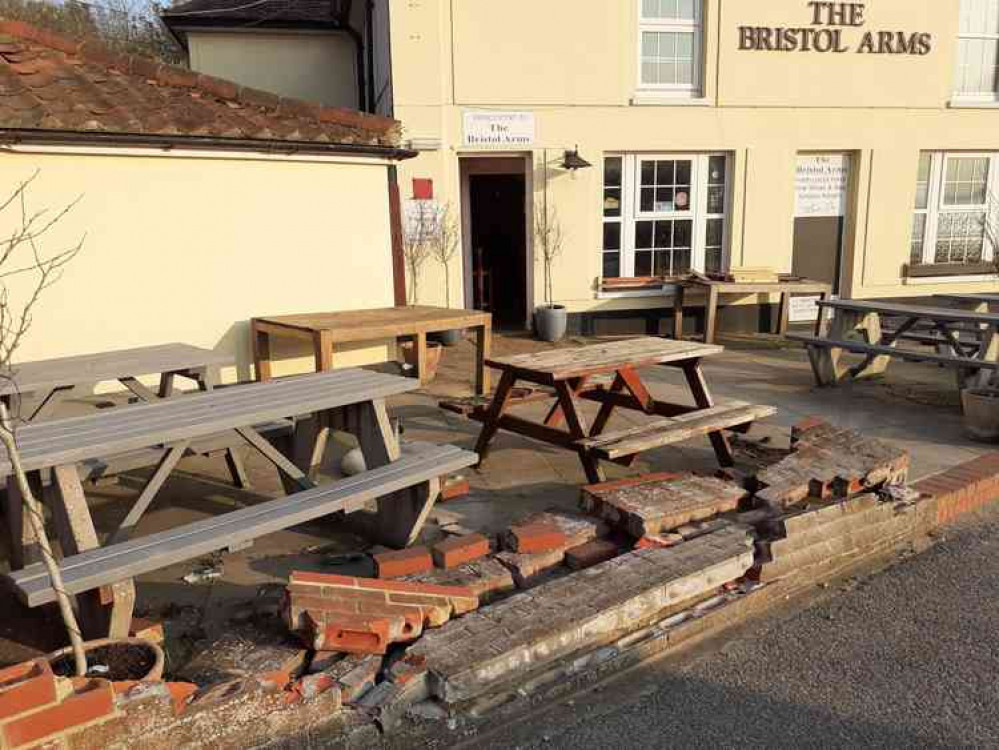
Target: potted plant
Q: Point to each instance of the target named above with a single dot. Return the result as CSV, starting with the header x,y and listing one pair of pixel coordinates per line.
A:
x,y
417,243
550,320
123,659
443,247
980,403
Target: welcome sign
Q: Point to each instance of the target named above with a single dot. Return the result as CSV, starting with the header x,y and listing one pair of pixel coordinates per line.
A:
x,y
827,32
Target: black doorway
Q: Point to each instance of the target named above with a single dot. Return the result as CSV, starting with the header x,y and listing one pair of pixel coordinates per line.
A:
x,y
499,247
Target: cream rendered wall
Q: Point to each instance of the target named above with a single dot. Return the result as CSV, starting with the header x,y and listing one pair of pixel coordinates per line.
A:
x,y
317,66
188,249
574,65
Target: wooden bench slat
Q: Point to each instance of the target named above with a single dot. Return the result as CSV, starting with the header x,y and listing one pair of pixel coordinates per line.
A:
x,y
614,445
105,565
860,347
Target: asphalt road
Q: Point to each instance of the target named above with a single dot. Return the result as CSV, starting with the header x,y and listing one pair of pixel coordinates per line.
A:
x,y
906,658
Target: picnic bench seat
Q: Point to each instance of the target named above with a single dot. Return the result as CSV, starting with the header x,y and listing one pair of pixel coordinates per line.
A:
x,y
469,406
102,566
911,355
612,446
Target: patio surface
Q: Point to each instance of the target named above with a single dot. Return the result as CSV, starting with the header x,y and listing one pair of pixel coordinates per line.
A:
x,y
914,406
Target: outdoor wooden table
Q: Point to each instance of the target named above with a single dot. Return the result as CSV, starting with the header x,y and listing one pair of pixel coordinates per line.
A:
x,y
977,357
571,373
325,330
349,399
980,302
787,288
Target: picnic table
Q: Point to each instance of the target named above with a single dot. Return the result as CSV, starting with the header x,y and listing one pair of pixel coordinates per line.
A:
x,y
608,374
325,330
857,326
787,287
981,302
404,483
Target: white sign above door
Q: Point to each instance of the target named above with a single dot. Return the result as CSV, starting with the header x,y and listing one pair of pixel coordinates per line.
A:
x,y
820,185
499,129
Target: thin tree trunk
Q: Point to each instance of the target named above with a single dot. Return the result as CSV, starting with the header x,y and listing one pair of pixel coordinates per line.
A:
x,y
37,521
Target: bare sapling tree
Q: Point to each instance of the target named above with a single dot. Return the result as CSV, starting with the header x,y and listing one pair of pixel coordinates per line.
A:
x,y
548,241
26,271
444,244
421,217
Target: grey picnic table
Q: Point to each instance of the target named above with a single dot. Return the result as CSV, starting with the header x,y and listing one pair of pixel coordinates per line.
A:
x,y
857,326
608,373
980,301
350,400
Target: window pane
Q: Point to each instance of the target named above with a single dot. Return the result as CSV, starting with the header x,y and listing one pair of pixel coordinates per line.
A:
x,y
612,236
643,263
667,57
918,235
612,171
977,66
716,170
612,202
714,233
980,16
923,179
966,181
664,172
643,234
684,10
716,200
648,173
960,237
648,200
612,265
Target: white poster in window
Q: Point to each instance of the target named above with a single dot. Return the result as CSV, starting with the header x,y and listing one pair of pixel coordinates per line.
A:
x,y
820,185
420,220
803,309
499,128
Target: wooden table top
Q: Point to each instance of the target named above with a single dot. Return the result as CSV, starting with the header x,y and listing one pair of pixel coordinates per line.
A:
x,y
913,311
86,369
191,416
970,297
383,322
561,364
750,287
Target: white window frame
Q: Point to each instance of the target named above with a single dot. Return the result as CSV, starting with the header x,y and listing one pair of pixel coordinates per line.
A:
x,y
935,205
694,27
975,96
631,212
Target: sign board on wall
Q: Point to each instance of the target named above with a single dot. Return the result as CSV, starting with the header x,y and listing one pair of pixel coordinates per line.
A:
x,y
803,309
510,129
820,185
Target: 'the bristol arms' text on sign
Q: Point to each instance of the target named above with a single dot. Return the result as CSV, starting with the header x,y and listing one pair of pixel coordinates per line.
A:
x,y
829,21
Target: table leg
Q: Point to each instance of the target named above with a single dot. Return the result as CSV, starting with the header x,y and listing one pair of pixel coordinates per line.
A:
x,y
308,447
710,314
322,344
166,384
577,430
555,414
483,345
702,397
261,342
870,326
607,407
50,402
162,472
490,423
826,360
24,547
421,357
106,612
678,296
821,324
988,352
784,313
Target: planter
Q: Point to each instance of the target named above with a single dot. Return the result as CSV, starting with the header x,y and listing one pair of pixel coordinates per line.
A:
x,y
125,658
448,338
981,413
434,352
550,322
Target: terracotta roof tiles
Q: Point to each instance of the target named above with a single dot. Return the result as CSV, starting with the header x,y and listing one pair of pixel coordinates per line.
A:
x,y
50,82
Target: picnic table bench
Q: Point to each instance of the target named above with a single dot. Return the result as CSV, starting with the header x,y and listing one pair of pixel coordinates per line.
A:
x,y
325,330
857,327
405,483
606,374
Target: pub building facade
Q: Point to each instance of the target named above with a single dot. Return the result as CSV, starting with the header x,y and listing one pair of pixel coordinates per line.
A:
x,y
851,142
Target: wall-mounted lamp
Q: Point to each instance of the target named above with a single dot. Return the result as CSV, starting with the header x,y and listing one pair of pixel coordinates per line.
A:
x,y
574,161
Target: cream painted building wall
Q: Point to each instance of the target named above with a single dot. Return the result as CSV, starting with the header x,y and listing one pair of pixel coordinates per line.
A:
x,y
574,65
314,65
190,247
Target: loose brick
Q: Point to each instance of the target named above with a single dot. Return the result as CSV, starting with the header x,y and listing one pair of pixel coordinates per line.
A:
x,y
355,674
486,578
659,541
589,554
525,568
148,630
454,488
25,687
352,634
460,599
396,564
89,704
535,537
458,550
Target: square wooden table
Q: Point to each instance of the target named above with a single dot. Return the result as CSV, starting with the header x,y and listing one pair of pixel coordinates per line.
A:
x,y
325,330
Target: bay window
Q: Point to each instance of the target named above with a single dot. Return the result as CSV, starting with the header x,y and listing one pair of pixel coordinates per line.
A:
x,y
955,205
977,75
664,215
670,46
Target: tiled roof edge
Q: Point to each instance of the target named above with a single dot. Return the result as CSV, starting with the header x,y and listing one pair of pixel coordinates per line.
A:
x,y
220,88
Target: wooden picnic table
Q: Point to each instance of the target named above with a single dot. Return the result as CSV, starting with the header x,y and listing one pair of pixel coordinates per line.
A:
x,y
567,375
857,326
787,287
325,330
980,302
352,400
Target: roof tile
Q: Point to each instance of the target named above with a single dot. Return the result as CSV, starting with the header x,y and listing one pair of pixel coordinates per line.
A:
x,y
49,82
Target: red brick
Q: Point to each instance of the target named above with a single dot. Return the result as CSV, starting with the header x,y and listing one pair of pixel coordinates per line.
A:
x,y
458,550
355,634
181,693
454,488
89,705
148,630
535,537
593,552
619,484
25,687
659,541
404,562
327,579
277,678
